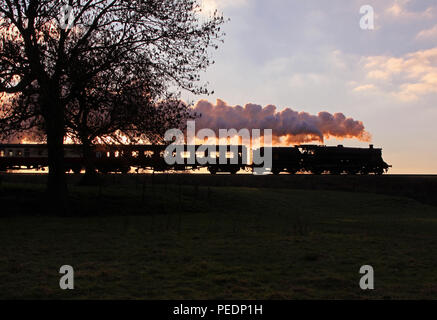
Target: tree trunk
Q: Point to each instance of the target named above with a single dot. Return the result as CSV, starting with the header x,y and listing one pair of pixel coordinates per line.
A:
x,y
88,155
57,183
90,177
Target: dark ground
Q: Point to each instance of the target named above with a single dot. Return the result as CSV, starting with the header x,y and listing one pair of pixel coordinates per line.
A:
x,y
419,187
221,237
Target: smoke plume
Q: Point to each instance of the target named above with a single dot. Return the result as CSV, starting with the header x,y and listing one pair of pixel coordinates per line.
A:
x,y
288,126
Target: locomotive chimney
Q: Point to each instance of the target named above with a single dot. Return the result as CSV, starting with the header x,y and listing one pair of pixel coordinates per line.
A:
x,y
371,146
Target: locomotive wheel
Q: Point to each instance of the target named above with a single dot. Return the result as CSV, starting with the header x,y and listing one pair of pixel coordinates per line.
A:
x,y
212,170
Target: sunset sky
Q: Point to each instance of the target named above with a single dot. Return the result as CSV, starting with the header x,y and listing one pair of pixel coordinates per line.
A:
x,y
313,56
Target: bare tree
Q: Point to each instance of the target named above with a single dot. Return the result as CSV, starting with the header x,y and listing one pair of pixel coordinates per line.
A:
x,y
122,114
166,39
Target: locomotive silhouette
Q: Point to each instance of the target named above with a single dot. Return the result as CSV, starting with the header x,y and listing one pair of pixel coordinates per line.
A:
x,y
312,159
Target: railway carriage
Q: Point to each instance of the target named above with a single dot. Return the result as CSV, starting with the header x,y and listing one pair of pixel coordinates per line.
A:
x,y
284,159
35,156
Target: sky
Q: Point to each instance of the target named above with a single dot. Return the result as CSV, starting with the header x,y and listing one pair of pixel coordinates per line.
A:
x,y
313,56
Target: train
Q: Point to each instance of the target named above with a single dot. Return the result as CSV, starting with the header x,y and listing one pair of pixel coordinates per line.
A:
x,y
311,159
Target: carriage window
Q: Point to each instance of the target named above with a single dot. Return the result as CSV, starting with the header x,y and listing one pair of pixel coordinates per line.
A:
x,y
18,153
148,154
135,154
11,153
117,154
2,153
108,154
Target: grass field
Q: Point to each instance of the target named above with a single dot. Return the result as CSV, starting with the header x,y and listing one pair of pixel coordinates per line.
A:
x,y
192,242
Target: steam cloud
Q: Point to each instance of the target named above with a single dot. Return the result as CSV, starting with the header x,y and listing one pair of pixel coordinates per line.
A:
x,y
288,126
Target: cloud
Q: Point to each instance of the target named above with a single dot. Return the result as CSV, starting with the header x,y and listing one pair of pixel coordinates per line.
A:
x,y
209,6
399,10
427,34
407,77
364,87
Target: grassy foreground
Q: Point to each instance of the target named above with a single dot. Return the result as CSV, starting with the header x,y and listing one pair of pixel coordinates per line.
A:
x,y
176,242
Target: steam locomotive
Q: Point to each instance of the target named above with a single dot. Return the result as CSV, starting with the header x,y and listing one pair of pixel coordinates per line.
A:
x,y
313,159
